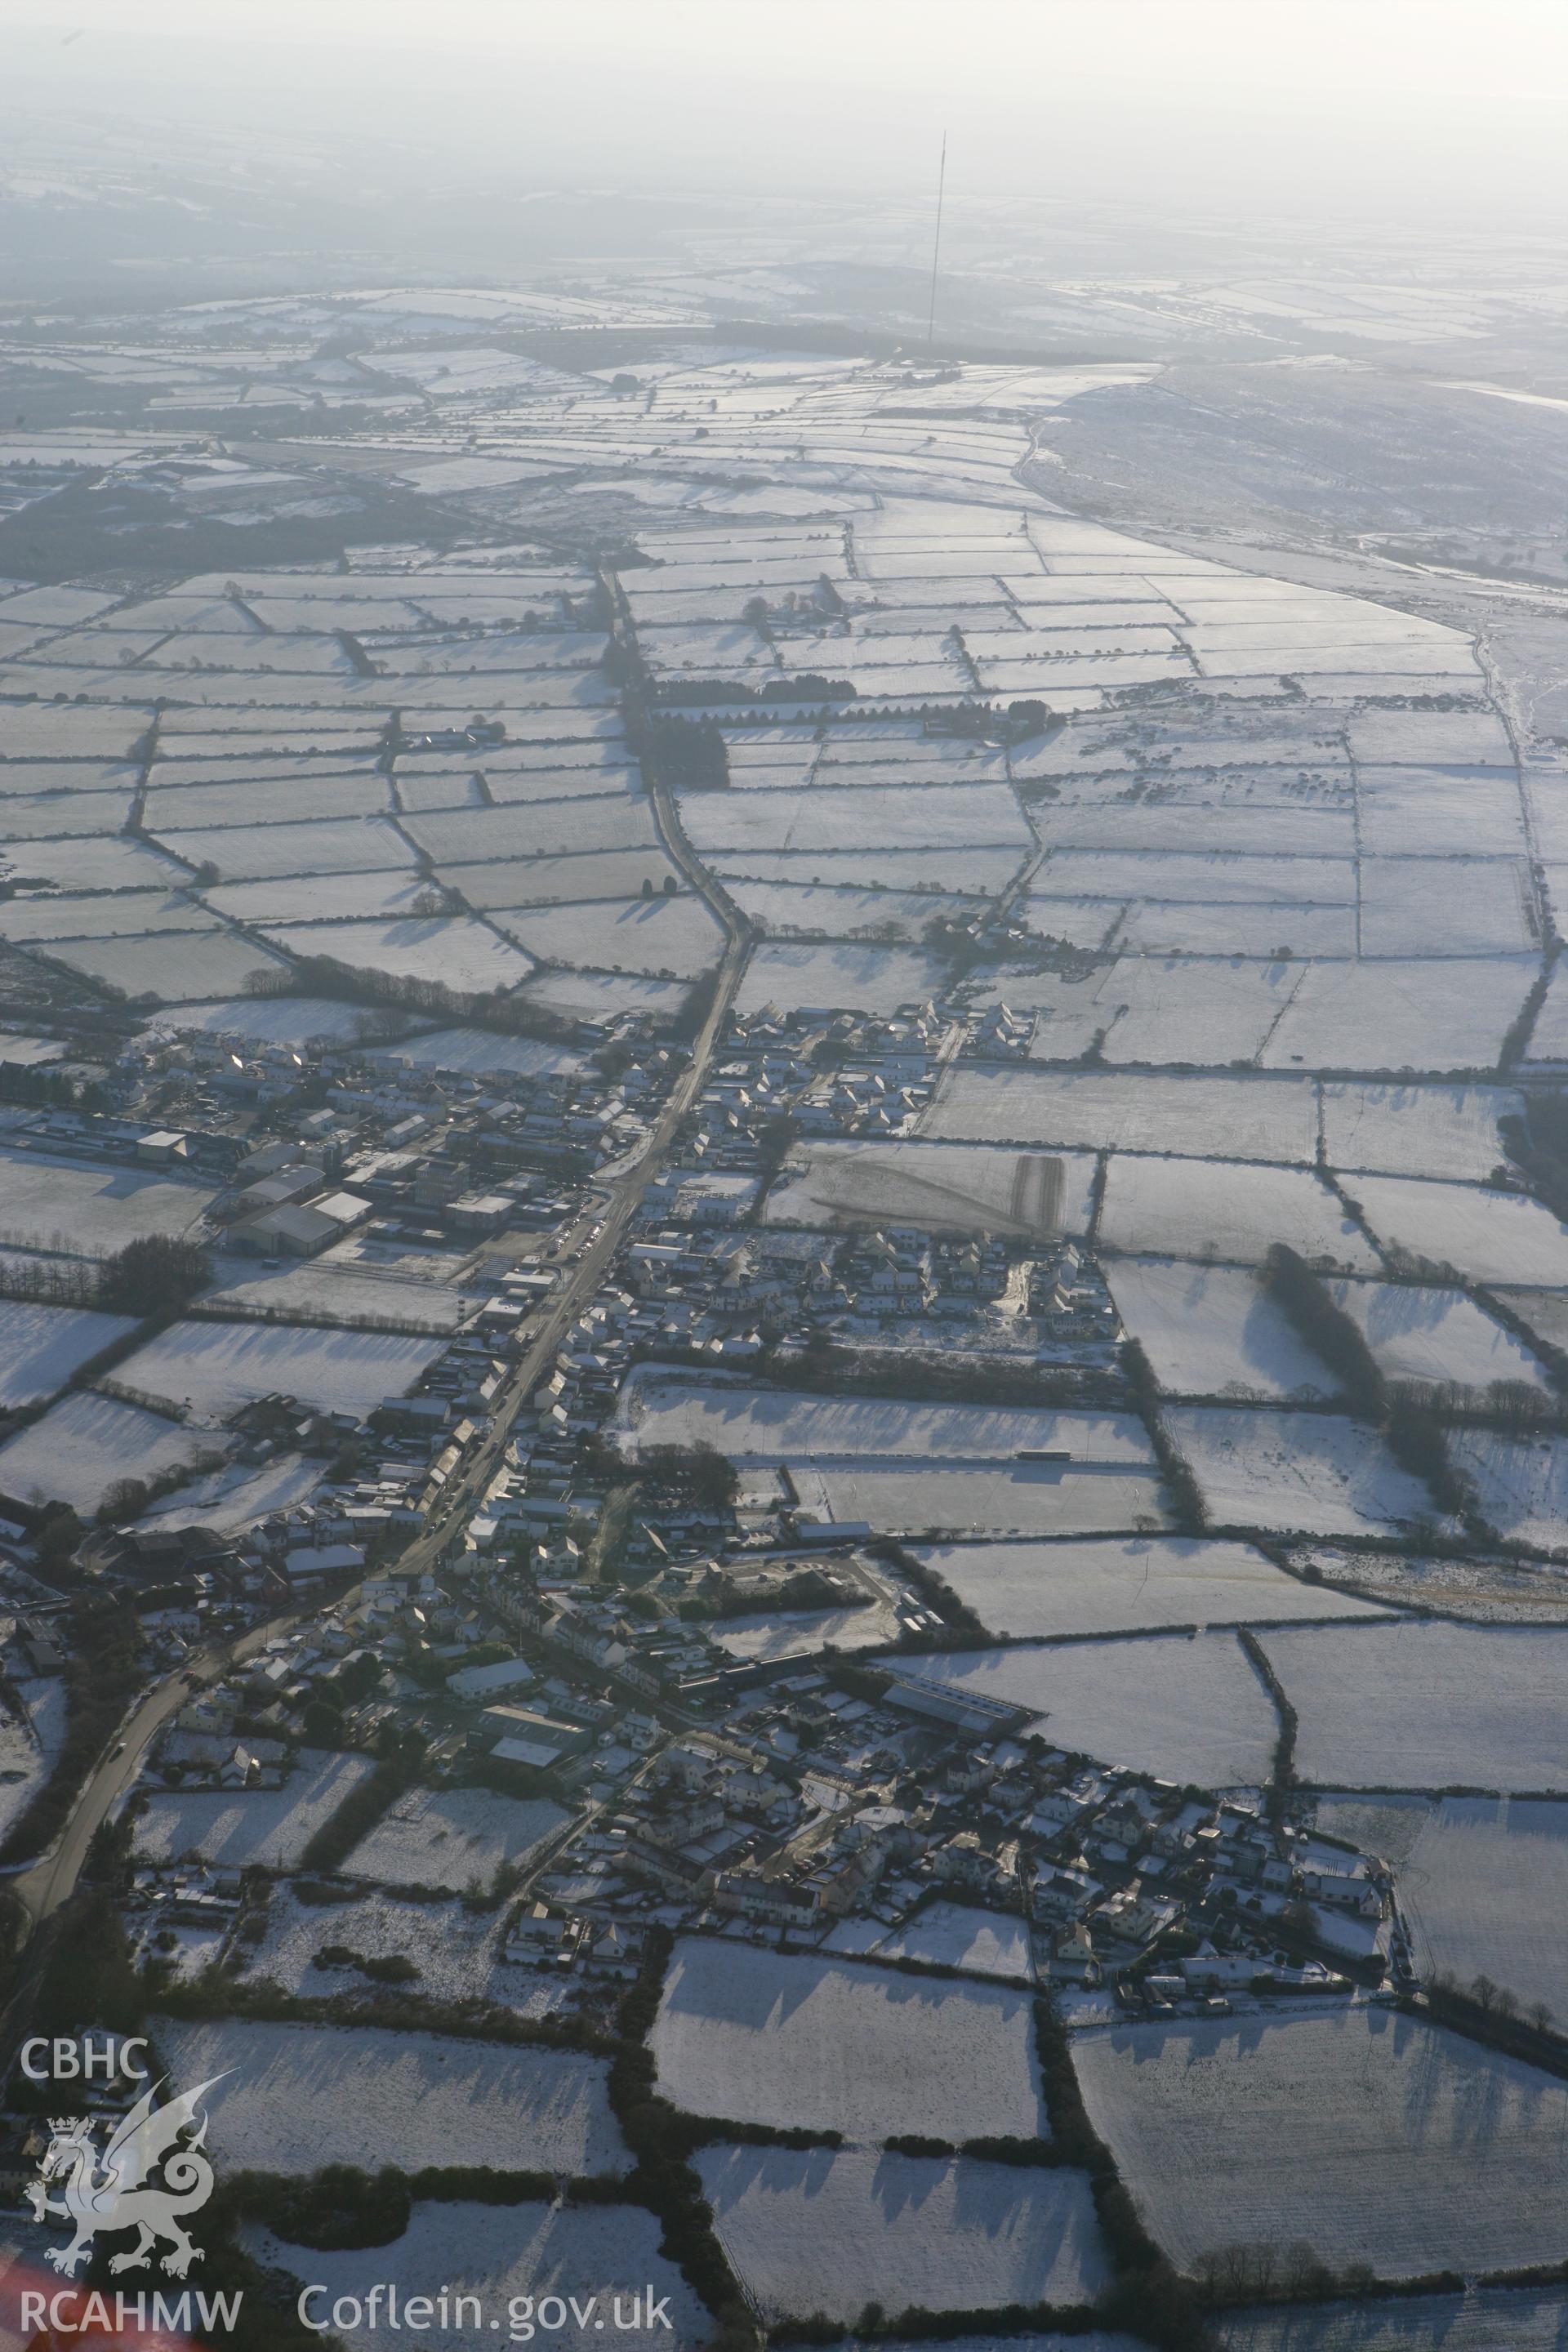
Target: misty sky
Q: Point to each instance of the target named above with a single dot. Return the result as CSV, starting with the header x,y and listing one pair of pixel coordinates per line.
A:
x,y
1387,107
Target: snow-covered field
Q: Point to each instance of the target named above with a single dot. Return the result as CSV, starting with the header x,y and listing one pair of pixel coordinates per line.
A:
x,y
930,816
835,911
1484,2319
269,1827
326,897
1544,1313
1024,1592
63,1204
1482,1883
260,853
504,2254
461,837
1248,1119
942,1187
1185,1708
1522,1483
110,862
676,936
1019,1498
806,977
830,2231
1416,1015
1371,2137
179,970
455,1838
24,1766
117,914
768,2037
294,1021
906,874
764,1426
48,815
802,1634
1491,1236
579,879
225,1501
300,2096
1435,1335
1549,1038
216,1367
478,1054
1476,906
1194,1008
1456,808
46,1705
601,996
1227,1209
1427,1704
1208,879
1211,1330
87,1443
353,1294
41,1347
954,1936
1397,1131
460,954
1309,1474
456,1950
912,1467
272,799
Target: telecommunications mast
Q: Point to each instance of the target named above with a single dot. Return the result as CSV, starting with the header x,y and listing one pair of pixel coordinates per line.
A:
x,y
936,245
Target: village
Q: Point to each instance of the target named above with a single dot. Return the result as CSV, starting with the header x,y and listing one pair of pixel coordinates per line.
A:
x,y
783,1329
829,1808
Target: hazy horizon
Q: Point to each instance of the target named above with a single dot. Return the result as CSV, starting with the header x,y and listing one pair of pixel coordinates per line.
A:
x,y
1418,114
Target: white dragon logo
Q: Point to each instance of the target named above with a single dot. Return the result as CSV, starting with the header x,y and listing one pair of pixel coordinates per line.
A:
x,y
123,2195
